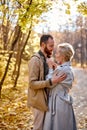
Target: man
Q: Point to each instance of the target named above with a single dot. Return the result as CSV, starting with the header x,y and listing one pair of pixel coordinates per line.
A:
x,y
38,69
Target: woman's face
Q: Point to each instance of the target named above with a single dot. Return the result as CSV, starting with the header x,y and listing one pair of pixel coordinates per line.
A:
x,y
59,57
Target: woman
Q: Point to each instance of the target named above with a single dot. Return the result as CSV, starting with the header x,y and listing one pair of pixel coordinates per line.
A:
x,y
60,115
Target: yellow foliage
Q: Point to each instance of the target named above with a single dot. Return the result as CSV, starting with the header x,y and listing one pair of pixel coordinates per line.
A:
x,y
67,11
82,8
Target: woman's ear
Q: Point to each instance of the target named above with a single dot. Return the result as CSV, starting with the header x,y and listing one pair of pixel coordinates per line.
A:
x,y
63,58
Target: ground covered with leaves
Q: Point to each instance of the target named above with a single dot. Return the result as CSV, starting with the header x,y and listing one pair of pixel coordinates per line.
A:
x,y
79,94
14,114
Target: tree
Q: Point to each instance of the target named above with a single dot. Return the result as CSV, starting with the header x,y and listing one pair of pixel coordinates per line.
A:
x,y
82,8
16,23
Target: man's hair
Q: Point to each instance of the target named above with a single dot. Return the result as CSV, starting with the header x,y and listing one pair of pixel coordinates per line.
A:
x,y
44,38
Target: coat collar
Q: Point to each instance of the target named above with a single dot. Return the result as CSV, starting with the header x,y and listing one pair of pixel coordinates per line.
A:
x,y
66,64
42,55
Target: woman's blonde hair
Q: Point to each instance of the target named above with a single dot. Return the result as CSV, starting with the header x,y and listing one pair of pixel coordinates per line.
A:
x,y
66,50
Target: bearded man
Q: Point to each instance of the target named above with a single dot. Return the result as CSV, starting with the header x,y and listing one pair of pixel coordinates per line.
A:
x,y
38,69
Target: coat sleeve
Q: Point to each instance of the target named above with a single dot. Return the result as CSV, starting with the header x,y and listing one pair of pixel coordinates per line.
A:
x,y
34,72
68,81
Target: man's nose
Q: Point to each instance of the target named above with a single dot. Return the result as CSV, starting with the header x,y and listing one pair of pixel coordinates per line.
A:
x,y
52,48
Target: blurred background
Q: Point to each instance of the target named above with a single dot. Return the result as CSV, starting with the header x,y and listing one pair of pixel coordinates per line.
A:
x,y
22,22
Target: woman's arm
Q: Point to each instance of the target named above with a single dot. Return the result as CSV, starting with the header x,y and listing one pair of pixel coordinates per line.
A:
x,y
67,82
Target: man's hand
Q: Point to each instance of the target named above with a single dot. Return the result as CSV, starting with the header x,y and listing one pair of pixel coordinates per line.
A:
x,y
57,79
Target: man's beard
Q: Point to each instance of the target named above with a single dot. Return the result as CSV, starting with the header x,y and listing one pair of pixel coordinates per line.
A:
x,y
49,53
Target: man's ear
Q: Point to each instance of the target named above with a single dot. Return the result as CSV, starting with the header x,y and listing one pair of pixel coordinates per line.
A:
x,y
43,44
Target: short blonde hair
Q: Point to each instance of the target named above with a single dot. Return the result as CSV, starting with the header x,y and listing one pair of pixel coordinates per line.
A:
x,y
66,50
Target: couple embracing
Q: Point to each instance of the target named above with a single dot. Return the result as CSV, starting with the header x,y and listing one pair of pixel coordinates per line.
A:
x,y
49,86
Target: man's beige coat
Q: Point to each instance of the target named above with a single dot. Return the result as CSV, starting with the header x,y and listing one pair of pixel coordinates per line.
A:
x,y
37,97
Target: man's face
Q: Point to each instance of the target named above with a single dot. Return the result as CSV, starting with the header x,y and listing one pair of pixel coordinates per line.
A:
x,y
49,46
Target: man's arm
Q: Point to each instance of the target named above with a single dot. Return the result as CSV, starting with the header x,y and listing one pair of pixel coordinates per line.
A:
x,y
34,71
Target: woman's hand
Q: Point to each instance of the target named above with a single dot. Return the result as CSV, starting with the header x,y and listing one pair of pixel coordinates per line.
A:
x,y
51,63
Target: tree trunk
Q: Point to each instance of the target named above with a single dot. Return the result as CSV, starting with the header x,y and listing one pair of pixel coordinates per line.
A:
x,y
18,48
10,56
20,58
81,49
86,47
